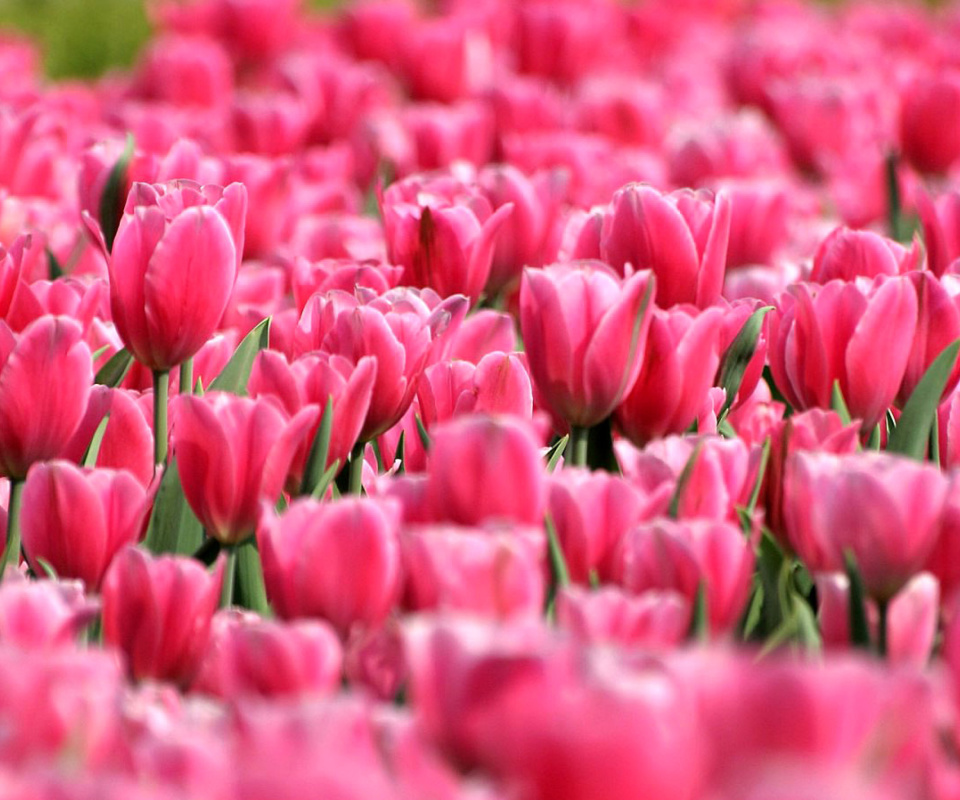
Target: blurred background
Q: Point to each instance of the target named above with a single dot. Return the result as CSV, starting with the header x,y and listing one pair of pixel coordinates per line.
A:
x,y
84,38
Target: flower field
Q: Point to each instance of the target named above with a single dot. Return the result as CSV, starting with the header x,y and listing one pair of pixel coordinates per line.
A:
x,y
491,400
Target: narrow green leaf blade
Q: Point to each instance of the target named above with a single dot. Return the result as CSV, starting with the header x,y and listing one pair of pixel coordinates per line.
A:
x,y
249,591
422,433
325,480
114,195
173,528
838,404
734,363
234,376
912,434
682,481
93,449
319,451
115,370
700,622
859,629
556,452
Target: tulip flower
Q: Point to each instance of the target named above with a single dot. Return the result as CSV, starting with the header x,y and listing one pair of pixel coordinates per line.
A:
x,y
930,121
43,614
846,254
835,333
233,452
886,510
157,611
681,237
938,325
941,230
76,520
584,334
336,561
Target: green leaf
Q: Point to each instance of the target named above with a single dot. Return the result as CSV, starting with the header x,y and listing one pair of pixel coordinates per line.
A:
x,y
422,433
559,574
208,551
700,622
873,443
93,449
249,591
912,434
734,363
838,404
401,470
54,267
114,195
857,609
47,568
555,453
234,376
761,473
174,528
754,609
325,480
771,562
808,632
115,370
674,508
319,451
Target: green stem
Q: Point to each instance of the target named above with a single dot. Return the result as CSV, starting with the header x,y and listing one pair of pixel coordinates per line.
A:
x,y
356,468
882,607
11,553
579,438
186,377
229,577
161,388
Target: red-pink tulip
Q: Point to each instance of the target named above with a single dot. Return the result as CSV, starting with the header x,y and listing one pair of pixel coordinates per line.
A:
x,y
42,614
173,266
157,611
484,468
682,237
941,230
77,519
678,366
885,509
584,335
233,452
250,656
835,332
337,561
846,254
930,121
492,572
483,332
938,325
45,377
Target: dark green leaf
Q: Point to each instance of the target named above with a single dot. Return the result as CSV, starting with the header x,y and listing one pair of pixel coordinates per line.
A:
x,y
54,267
912,434
682,481
734,363
114,195
174,528
325,480
859,629
700,622
808,633
234,376
422,433
208,551
555,453
250,591
115,370
754,609
319,451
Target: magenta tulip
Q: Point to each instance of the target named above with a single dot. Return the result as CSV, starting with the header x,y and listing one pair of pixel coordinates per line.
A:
x,y
584,335
941,230
173,266
846,254
43,614
233,452
930,121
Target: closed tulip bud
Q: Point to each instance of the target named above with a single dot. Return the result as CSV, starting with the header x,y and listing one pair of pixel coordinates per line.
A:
x,y
484,468
173,266
832,333
886,510
681,237
157,611
250,656
233,452
930,121
336,561
45,377
584,334
678,366
76,520
492,572
847,254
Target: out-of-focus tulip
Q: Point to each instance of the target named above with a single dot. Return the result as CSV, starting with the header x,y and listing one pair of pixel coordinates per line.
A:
x,y
678,366
45,377
188,71
847,254
492,572
682,237
834,332
760,213
313,379
885,509
157,611
173,266
484,468
40,614
233,452
938,325
941,230
77,519
930,121
337,561
584,333
481,333
253,656
592,511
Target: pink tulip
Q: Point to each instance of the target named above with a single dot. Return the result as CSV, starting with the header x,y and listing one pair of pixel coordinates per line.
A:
x,y
157,611
483,332
930,121
584,334
43,614
591,512
233,452
760,216
186,71
45,377
484,468
680,556
250,656
941,230
682,237
336,561
846,254
314,379
493,572
820,335
344,274
678,367
76,520
938,325
885,509
173,266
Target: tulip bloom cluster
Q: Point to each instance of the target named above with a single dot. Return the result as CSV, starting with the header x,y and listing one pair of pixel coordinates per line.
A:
x,y
537,400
